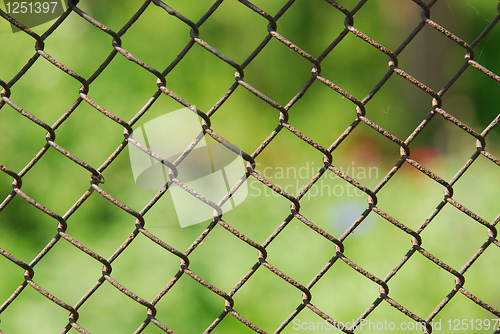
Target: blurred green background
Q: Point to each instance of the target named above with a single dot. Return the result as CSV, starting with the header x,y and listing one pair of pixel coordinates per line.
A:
x,y
322,114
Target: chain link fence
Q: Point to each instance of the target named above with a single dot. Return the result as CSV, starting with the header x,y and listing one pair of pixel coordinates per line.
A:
x,y
144,275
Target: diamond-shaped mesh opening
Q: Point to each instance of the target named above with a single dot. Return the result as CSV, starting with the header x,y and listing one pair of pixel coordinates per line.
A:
x,y
82,56
432,58
485,208
312,26
116,226
245,120
353,64
235,258
365,154
428,281
399,107
333,294
399,22
286,254
425,193
235,30
169,30
187,289
476,318
78,268
133,84
322,113
108,297
280,299
219,76
249,221
290,172
277,58
479,274
462,235
25,230
379,259
27,146
54,83
52,317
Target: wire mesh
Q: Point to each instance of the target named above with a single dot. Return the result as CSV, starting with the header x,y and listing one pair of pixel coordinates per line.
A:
x,y
20,266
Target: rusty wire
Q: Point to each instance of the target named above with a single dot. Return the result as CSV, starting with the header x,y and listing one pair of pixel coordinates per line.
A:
x,y
228,305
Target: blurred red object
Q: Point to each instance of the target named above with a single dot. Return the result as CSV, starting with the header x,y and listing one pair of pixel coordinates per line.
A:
x,y
427,156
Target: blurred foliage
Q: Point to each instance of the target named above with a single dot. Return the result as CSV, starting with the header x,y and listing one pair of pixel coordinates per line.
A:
x,y
322,114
